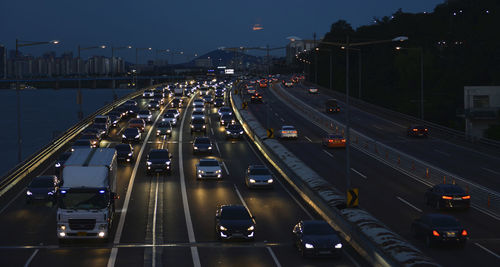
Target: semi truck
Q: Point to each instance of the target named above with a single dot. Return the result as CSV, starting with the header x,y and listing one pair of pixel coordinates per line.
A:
x,y
86,198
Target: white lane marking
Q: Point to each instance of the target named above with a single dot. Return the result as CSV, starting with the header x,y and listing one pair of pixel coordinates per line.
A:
x,y
274,257
31,258
121,223
225,167
154,222
409,204
360,174
240,197
441,152
185,204
212,130
378,127
328,153
308,138
276,114
498,173
487,250
217,146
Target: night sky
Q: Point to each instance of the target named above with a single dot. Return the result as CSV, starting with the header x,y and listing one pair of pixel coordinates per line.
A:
x,y
192,26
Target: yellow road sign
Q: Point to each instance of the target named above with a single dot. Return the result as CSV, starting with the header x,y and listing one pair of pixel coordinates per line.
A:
x,y
352,198
244,105
270,133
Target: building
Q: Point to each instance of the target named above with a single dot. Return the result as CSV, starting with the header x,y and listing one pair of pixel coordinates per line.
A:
x,y
482,106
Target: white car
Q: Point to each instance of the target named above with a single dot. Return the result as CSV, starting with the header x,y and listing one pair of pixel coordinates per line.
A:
x,y
288,132
169,117
145,115
208,168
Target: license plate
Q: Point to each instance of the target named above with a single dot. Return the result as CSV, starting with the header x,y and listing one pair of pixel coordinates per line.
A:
x,y
81,234
159,170
450,234
457,198
324,252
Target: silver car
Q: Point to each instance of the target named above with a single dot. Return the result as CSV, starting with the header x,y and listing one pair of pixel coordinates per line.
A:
x,y
258,176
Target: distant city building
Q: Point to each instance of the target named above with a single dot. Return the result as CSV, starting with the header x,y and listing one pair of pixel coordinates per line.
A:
x,y
298,45
482,105
203,63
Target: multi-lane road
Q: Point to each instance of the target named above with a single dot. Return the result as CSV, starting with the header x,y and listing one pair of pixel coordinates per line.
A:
x,y
168,220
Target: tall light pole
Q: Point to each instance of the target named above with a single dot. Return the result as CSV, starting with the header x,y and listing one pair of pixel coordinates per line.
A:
x,y
359,69
20,43
113,69
79,93
137,49
421,50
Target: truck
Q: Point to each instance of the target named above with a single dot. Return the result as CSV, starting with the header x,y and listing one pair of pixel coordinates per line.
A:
x,y
86,198
331,106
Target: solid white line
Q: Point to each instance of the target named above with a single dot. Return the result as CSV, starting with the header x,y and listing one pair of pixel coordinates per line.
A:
x,y
360,174
308,138
409,204
121,223
212,130
274,257
31,258
487,250
185,204
441,152
375,126
154,222
328,153
225,167
217,146
240,197
498,173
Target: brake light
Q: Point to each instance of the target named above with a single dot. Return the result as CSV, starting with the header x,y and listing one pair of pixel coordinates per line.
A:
x,y
415,130
343,140
464,232
330,141
447,197
435,233
466,197
294,132
425,129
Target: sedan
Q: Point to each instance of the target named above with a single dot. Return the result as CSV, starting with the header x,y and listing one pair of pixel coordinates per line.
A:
x,y
176,103
173,111
225,111
227,119
42,188
164,129
198,114
258,176
80,144
234,222
202,145
124,152
170,118
153,105
145,115
208,99
219,102
448,196
316,238
208,168
94,140
140,124
439,228
158,160
417,131
256,98
234,131
333,140
288,132
131,135
198,125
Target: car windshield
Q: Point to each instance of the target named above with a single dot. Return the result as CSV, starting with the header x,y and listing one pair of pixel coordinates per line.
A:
x,y
209,163
157,154
131,131
84,200
198,121
42,182
123,148
234,214
259,171
445,222
198,113
318,229
235,127
202,141
227,117
288,128
225,109
164,125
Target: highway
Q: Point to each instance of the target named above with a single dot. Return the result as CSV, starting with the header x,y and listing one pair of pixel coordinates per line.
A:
x,y
391,196
167,220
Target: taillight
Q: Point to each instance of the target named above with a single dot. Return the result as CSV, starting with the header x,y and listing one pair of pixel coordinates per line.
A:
x,y
343,140
415,130
447,197
425,130
330,141
464,232
466,197
435,233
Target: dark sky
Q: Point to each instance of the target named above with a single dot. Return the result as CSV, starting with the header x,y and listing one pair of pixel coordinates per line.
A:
x,y
192,26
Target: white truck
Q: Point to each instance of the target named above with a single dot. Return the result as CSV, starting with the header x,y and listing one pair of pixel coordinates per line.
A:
x,y
86,198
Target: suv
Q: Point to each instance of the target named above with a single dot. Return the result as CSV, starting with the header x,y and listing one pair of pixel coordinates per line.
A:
x,y
102,120
208,168
234,131
202,144
158,160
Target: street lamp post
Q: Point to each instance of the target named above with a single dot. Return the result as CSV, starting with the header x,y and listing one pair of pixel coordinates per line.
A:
x,y
137,49
421,50
113,69
79,94
20,43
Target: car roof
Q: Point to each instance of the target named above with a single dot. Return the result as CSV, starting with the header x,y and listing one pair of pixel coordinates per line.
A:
x,y
208,159
123,145
45,177
233,207
437,215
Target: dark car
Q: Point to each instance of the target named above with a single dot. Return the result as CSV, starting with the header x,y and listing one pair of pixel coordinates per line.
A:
x,y
176,103
256,98
60,162
92,130
234,222
234,131
124,152
219,102
448,196
131,135
258,176
158,160
115,119
153,105
439,228
202,145
198,125
123,110
227,119
417,131
208,99
42,188
164,129
94,140
133,110
219,93
317,238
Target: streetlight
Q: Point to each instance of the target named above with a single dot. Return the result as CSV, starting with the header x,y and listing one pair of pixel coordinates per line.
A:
x,y
79,94
347,46
20,43
421,76
137,49
113,65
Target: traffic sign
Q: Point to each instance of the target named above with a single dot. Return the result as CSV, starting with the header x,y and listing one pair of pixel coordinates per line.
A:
x,y
270,132
244,105
352,198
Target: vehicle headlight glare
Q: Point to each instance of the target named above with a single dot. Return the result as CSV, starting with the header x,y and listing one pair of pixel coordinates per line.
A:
x,y
58,165
250,228
252,181
29,193
149,162
222,228
339,245
270,181
307,245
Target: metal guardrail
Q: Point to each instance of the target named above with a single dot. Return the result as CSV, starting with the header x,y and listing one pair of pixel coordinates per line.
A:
x,y
23,169
482,198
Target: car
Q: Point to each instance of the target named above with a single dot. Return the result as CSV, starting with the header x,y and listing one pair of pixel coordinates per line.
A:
x,y
137,123
102,129
132,134
159,160
202,144
417,131
447,196
79,144
174,111
199,107
263,84
93,130
60,162
439,228
208,168
258,176
153,105
288,83
42,188
148,93
164,128
94,140
234,222
124,152
170,118
123,110
219,102
198,114
102,120
198,125
256,98
145,115
316,238
208,99
219,93
312,90
198,101
333,140
227,119
114,118
225,111
176,103
288,131
332,106
115,113
250,90
234,131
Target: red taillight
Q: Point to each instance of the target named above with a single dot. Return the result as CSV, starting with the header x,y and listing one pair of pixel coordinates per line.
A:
x,y
343,140
466,197
415,130
447,197
330,141
425,130
435,233
464,233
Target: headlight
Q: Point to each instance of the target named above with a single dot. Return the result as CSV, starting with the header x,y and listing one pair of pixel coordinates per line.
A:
x,y
167,162
29,193
203,126
138,136
228,132
250,228
123,136
200,171
339,245
218,171
168,131
50,193
270,181
252,181
195,147
307,245
58,165
130,154
241,132
192,126
62,227
209,147
149,162
158,131
222,228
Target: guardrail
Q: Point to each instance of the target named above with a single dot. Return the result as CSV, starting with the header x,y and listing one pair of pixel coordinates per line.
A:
x,y
23,169
482,198
371,239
